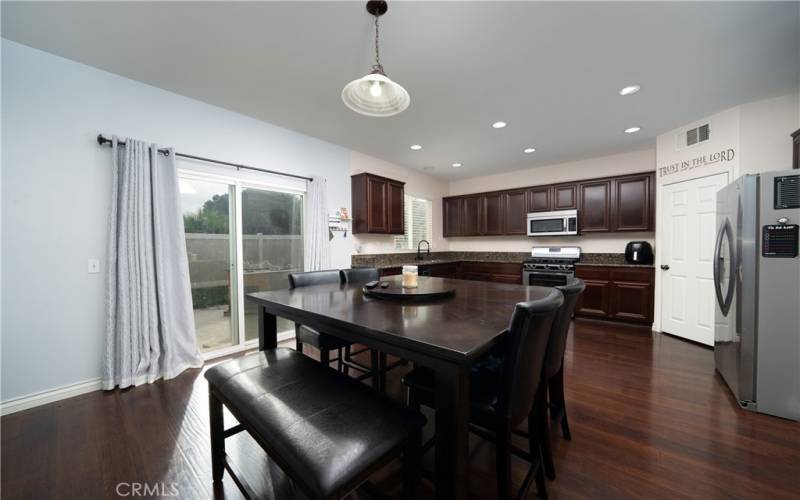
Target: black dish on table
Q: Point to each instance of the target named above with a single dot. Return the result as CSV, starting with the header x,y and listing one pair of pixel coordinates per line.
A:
x,y
427,289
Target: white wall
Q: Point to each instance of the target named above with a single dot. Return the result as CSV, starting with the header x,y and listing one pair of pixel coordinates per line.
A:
x,y
56,193
760,135
676,165
621,164
417,184
765,134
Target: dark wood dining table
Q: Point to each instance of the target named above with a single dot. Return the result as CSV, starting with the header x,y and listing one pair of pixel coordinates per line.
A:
x,y
446,335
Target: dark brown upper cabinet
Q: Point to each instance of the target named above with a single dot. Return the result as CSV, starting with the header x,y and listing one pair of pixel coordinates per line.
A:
x,y
624,203
471,223
377,204
548,198
796,149
595,206
492,214
565,197
395,204
451,212
514,210
539,199
633,203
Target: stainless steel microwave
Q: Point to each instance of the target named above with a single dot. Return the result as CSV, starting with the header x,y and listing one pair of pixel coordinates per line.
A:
x,y
557,223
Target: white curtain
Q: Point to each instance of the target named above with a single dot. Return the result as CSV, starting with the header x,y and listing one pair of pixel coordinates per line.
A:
x,y
149,321
317,255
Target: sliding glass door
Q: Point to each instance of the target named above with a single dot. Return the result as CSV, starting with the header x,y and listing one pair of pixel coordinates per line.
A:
x,y
272,246
240,238
210,244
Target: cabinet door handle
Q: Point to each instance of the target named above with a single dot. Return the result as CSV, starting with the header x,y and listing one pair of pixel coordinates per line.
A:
x,y
664,267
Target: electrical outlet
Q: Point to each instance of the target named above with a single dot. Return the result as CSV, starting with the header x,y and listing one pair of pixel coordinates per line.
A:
x,y
94,266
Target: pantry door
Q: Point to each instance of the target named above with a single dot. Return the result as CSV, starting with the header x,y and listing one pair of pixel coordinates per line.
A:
x,y
687,248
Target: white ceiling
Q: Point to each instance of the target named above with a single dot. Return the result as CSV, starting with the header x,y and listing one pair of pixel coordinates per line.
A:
x,y
551,70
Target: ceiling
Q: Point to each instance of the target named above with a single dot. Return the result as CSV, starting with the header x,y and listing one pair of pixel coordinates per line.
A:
x,y
552,71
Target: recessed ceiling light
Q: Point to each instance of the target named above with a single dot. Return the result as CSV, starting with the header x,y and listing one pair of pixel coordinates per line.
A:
x,y
630,89
529,150
499,124
416,147
456,165
632,130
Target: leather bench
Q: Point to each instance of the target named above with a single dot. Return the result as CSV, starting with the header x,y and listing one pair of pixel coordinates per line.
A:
x,y
326,431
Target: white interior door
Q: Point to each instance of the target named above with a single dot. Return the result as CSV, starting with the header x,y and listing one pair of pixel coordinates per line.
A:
x,y
687,250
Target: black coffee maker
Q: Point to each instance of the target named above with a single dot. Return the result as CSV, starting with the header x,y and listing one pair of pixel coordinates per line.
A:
x,y
639,252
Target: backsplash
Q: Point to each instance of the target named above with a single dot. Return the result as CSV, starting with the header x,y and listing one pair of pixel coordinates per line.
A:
x,y
603,258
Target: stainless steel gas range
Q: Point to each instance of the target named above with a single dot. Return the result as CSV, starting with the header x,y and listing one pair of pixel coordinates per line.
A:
x,y
550,266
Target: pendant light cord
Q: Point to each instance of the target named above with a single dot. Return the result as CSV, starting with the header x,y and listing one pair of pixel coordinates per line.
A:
x,y
377,65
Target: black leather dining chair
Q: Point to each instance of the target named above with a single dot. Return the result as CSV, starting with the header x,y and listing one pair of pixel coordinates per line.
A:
x,y
551,389
326,343
360,275
306,335
502,394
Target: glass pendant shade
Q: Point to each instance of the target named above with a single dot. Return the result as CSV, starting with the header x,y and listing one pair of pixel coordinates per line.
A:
x,y
375,95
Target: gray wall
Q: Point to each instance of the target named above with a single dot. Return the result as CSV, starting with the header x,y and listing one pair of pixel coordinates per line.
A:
x,y
56,193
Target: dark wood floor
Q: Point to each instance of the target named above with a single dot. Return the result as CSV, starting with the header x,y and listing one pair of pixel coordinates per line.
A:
x,y
649,418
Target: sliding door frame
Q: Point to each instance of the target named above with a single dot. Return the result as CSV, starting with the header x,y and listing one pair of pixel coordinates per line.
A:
x,y
238,299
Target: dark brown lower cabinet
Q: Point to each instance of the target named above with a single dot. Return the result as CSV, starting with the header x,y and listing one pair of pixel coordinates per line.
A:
x,y
498,272
595,299
618,293
440,270
391,271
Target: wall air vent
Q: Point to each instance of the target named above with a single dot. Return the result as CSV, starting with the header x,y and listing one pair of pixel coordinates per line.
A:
x,y
693,136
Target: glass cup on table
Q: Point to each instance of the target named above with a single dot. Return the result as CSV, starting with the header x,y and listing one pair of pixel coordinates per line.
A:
x,y
410,276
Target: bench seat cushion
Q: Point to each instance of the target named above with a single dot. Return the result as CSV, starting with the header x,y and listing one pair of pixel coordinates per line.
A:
x,y
323,428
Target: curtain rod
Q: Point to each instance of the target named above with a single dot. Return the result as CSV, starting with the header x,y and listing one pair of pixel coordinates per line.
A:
x,y
105,140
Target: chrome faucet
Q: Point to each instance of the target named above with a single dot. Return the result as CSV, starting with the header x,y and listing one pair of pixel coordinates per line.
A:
x,y
428,243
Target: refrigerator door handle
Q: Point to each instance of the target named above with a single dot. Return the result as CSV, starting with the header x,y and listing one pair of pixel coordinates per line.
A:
x,y
715,265
724,303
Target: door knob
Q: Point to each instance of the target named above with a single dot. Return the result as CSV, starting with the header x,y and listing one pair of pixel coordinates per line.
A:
x,y
664,267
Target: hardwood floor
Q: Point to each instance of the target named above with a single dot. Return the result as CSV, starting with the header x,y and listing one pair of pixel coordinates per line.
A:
x,y
649,416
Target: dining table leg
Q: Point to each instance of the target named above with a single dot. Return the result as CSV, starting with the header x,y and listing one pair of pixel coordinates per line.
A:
x,y
452,432
267,329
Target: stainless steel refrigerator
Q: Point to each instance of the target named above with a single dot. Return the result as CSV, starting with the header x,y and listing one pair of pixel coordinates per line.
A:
x,y
757,288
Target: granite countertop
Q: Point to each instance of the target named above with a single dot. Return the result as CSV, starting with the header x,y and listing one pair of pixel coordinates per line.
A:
x,y
383,261
410,262
388,260
430,262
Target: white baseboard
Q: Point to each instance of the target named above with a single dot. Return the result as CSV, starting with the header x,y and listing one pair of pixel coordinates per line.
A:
x,y
287,335
49,396
95,384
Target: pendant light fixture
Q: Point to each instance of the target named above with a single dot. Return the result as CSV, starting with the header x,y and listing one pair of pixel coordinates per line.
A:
x,y
375,94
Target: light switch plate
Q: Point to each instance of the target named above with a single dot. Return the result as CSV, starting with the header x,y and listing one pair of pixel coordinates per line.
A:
x,y
94,266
